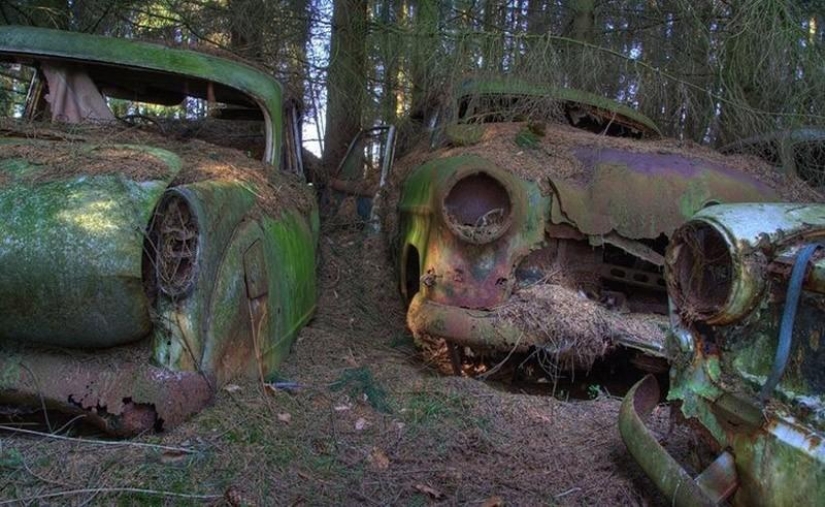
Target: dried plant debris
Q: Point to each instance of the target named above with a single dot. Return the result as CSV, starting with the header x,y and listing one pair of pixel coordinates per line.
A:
x,y
464,439
98,149
553,155
576,330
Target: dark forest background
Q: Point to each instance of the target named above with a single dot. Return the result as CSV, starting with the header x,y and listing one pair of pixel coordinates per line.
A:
x,y
711,71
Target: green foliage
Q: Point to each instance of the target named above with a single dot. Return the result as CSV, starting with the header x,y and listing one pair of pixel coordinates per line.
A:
x,y
526,138
360,382
712,72
10,458
594,391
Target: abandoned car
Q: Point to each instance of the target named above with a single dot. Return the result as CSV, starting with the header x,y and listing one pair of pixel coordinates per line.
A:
x,y
140,266
536,219
747,286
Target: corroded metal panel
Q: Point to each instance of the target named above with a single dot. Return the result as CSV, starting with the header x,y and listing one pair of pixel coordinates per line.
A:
x,y
731,291
117,389
643,195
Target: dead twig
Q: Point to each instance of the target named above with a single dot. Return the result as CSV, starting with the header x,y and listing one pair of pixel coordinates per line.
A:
x,y
97,491
96,442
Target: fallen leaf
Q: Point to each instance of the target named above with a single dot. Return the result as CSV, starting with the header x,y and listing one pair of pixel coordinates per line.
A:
x,y
361,424
350,359
378,459
493,501
170,456
232,388
285,417
429,491
237,498
342,407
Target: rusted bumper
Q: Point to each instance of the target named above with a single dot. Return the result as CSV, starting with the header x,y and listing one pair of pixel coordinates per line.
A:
x,y
711,487
477,329
115,389
481,329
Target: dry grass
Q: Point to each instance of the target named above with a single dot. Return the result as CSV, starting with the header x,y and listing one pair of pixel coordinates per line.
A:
x,y
580,331
366,422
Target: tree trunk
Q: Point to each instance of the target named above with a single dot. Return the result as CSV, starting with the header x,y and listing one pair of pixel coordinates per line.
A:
x,y
421,59
583,20
247,18
346,80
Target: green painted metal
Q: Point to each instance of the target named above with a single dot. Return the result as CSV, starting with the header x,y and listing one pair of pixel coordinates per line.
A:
x,y
217,330
71,252
511,86
77,251
677,485
136,55
717,374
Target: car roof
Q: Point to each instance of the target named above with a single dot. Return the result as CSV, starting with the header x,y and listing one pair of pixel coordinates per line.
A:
x,y
151,72
513,86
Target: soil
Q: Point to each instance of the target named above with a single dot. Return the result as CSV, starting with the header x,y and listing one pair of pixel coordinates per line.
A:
x,y
355,417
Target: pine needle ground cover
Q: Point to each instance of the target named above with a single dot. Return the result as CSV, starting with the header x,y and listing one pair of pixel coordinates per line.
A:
x,y
354,418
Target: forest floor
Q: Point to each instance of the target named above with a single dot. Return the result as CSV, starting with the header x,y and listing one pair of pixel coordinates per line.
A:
x,y
367,422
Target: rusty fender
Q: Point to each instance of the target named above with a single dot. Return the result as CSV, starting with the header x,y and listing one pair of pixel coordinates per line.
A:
x,y
710,488
121,396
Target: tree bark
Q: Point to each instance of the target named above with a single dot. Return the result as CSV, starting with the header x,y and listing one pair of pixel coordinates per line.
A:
x,y
346,79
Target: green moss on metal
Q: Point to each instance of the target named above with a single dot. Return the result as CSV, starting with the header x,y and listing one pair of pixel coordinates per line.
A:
x,y
464,134
510,86
212,331
71,254
265,90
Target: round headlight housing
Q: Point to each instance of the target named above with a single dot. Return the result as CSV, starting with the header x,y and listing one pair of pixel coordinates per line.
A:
x,y
709,278
478,207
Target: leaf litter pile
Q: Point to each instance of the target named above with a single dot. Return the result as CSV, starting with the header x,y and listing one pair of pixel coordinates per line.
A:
x,y
354,417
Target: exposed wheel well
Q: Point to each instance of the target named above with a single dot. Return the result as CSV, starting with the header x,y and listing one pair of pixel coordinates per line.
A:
x,y
411,274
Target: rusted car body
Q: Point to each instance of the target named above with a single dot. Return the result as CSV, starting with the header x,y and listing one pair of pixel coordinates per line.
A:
x,y
747,285
141,268
520,234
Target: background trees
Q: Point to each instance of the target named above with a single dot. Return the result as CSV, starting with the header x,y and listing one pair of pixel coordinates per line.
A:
x,y
711,71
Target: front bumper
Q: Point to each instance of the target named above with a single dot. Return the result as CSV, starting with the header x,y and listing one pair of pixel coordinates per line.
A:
x,y
116,389
479,329
709,488
487,330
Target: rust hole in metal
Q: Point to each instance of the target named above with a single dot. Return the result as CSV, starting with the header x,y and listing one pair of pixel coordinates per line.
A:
x,y
173,247
478,208
701,269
